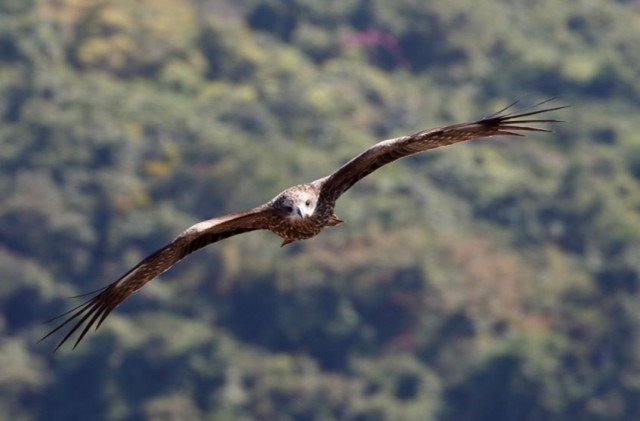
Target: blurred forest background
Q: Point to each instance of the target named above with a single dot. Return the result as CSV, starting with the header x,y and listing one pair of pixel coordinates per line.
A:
x,y
494,280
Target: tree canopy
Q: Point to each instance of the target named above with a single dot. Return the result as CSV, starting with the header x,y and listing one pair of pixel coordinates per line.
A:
x,y
490,280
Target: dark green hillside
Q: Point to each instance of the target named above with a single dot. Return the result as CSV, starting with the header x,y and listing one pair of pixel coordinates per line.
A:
x,y
494,280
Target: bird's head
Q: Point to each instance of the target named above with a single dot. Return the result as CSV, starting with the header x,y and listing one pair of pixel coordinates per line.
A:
x,y
296,202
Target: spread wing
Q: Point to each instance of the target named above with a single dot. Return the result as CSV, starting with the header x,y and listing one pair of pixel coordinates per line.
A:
x,y
334,185
96,309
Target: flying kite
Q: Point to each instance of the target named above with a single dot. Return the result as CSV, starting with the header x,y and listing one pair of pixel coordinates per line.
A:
x,y
298,213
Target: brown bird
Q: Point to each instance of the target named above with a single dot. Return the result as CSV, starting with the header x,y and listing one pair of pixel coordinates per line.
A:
x,y
298,213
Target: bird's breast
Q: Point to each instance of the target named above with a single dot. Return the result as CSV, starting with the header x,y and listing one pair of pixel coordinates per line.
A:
x,y
297,228
301,228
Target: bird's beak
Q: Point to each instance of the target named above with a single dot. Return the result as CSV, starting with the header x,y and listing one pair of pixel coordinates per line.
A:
x,y
302,212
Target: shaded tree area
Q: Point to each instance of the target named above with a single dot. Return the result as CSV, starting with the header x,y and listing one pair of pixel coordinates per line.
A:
x,y
493,280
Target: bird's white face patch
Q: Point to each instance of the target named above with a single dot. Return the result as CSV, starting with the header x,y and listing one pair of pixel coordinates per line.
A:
x,y
296,203
304,206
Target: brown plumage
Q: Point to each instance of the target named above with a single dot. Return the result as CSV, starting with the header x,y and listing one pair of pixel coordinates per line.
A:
x,y
299,212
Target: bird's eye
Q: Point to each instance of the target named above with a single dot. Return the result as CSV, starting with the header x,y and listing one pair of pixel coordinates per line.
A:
x,y
308,202
288,208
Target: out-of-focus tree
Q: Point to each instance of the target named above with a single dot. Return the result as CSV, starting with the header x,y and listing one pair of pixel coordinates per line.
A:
x,y
496,279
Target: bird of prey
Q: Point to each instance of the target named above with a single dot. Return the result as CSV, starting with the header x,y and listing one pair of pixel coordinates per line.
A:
x,y
298,213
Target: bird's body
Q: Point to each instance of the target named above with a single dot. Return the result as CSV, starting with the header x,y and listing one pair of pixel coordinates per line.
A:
x,y
297,213
299,218
302,215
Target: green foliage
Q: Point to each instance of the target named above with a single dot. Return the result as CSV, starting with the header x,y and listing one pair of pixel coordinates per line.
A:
x,y
493,280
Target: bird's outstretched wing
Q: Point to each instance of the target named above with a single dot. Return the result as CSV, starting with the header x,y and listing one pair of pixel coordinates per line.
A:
x,y
96,309
334,185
